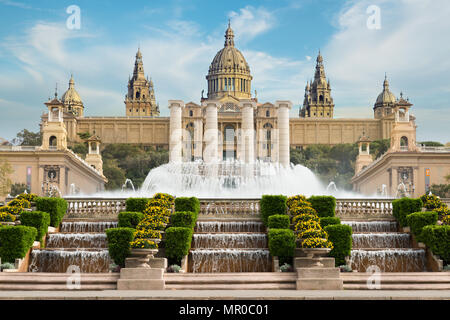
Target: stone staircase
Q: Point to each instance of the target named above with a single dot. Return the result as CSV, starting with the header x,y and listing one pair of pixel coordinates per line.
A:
x,y
57,281
231,281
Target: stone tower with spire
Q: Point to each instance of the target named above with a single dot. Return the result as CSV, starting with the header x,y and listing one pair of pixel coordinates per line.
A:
x,y
386,101
140,100
318,102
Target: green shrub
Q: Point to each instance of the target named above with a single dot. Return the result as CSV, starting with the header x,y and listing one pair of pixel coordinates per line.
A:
x,y
327,221
119,247
15,241
418,220
38,219
281,242
437,238
279,221
129,219
404,206
178,242
136,204
191,204
341,237
186,219
271,205
56,207
324,205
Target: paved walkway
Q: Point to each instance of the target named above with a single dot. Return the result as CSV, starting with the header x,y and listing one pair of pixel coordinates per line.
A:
x,y
229,295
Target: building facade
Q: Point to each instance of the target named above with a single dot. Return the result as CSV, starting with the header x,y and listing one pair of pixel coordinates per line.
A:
x,y
229,87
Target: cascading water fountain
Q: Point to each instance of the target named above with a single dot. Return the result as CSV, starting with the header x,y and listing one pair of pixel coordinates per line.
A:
x,y
80,243
331,188
128,181
378,243
237,245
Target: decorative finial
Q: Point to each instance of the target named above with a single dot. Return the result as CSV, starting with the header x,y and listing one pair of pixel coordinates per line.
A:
x,y
56,90
229,23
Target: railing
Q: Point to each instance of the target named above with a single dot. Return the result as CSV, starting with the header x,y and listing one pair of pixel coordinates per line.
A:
x,y
345,208
94,208
229,207
364,208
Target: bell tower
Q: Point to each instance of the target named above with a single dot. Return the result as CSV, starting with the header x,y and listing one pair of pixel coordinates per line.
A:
x,y
318,102
94,157
54,133
364,158
403,134
140,100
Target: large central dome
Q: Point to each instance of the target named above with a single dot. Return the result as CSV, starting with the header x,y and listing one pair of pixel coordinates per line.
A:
x,y
229,73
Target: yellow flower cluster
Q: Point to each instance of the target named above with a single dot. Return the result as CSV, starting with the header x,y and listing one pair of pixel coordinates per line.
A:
x,y
7,217
27,196
446,219
307,224
143,244
156,217
11,210
21,203
432,201
316,243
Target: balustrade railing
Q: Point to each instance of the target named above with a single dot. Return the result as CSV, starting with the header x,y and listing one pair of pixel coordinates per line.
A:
x,y
345,208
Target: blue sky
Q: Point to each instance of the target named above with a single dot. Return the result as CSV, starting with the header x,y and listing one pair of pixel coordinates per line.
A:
x,y
178,39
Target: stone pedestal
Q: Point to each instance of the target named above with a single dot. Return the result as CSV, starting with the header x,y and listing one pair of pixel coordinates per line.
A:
x,y
319,279
304,262
141,279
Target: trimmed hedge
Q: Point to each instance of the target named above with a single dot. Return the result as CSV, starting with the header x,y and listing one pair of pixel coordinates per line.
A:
x,y
281,243
418,220
328,221
404,206
129,219
324,205
178,242
56,207
15,241
119,244
186,219
37,219
271,205
279,221
136,204
437,238
191,204
341,237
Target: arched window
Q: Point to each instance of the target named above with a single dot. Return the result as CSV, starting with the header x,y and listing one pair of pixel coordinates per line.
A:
x,y
229,142
321,98
267,144
404,142
267,113
52,141
138,94
191,113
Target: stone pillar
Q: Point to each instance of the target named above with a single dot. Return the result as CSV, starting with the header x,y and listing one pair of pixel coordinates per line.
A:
x,y
211,132
176,132
283,132
248,131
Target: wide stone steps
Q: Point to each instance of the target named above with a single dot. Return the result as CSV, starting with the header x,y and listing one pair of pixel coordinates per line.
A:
x,y
399,281
57,281
231,281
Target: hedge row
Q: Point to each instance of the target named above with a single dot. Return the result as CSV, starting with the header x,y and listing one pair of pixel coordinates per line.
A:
x,y
418,220
56,207
272,205
327,221
324,205
403,207
136,204
279,221
183,220
119,247
15,241
341,237
281,243
437,238
37,219
129,219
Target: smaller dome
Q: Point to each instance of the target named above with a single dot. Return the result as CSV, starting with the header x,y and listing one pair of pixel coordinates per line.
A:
x,y
71,96
386,96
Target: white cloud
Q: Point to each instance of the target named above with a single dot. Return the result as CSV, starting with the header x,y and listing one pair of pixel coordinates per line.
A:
x,y
250,22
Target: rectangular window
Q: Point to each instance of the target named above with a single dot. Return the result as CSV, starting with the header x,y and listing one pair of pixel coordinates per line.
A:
x,y
29,178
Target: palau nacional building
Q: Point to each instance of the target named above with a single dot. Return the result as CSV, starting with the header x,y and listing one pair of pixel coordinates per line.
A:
x,y
230,123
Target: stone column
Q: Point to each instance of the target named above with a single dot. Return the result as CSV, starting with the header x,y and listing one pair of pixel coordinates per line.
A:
x,y
211,132
248,131
283,132
176,132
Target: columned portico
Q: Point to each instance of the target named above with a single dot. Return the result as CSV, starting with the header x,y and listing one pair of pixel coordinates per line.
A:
x,y
176,132
248,131
210,153
283,131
